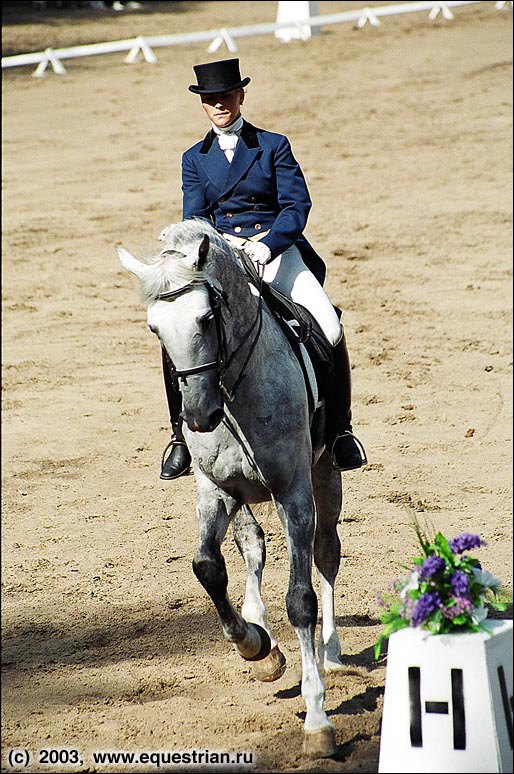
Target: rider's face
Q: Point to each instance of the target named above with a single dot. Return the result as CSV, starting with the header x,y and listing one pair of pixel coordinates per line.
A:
x,y
223,109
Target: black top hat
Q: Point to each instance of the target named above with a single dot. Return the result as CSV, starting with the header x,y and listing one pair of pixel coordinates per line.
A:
x,y
218,77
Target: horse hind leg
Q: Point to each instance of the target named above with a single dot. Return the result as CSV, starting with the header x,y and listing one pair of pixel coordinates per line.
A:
x,y
214,515
296,511
249,539
328,496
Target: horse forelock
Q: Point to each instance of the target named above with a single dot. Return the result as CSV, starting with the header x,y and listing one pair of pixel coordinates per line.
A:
x,y
174,266
166,271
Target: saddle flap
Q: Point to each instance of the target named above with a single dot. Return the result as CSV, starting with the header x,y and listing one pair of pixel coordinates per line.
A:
x,y
302,331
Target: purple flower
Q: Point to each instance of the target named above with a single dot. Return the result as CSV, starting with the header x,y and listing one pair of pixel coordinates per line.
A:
x,y
431,566
460,584
462,605
465,542
427,603
406,608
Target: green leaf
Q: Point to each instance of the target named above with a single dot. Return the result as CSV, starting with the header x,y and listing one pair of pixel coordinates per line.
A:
x,y
497,605
422,538
389,617
461,619
378,646
394,626
443,549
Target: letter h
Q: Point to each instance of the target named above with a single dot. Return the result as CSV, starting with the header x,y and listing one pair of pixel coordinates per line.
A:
x,y
438,708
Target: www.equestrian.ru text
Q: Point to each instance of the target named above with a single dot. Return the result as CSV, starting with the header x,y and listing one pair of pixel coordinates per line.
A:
x,y
21,758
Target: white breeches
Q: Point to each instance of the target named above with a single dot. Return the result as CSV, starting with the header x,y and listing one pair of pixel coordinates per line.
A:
x,y
289,275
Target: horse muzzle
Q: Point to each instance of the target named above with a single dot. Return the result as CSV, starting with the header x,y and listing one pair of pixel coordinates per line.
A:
x,y
203,425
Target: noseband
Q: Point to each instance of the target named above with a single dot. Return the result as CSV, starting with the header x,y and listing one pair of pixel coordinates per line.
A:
x,y
223,361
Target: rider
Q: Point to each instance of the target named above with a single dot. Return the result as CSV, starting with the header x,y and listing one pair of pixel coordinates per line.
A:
x,y
248,184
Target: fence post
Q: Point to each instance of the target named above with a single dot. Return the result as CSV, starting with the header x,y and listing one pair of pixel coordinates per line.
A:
x,y
368,16
57,65
440,8
223,37
141,45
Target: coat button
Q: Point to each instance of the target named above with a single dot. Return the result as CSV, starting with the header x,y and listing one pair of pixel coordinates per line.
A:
x,y
256,207
237,229
257,226
229,214
252,198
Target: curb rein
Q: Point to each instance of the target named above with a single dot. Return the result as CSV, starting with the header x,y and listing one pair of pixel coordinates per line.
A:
x,y
223,361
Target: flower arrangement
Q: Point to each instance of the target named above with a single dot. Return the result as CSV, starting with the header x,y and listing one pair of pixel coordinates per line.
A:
x,y
446,591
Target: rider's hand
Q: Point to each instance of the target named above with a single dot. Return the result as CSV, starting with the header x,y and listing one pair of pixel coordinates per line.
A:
x,y
258,252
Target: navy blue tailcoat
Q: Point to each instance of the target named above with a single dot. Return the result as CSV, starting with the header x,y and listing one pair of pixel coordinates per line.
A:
x,y
262,189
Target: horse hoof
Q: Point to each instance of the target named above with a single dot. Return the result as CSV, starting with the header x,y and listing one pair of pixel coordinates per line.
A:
x,y
320,743
256,645
270,668
332,665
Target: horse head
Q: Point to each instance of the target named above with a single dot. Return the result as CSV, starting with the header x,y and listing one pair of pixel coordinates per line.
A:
x,y
182,312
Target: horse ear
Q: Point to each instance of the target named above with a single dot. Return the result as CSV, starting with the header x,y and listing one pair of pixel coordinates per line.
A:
x,y
203,252
132,264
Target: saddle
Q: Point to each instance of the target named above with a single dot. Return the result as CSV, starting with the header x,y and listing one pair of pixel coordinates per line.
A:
x,y
302,331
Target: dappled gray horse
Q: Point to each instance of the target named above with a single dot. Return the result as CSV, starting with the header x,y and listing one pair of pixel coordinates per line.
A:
x,y
246,407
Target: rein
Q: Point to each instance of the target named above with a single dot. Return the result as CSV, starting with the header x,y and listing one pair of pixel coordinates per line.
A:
x,y
222,362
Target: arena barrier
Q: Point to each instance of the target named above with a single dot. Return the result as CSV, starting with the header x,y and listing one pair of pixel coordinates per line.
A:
x,y
227,36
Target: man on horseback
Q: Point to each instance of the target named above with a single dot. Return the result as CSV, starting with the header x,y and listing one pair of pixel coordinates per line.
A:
x,y
246,182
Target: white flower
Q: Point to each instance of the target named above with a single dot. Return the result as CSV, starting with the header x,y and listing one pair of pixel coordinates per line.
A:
x,y
479,614
412,584
486,579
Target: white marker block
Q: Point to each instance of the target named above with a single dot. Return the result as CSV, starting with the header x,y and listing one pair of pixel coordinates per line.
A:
x,y
448,702
298,13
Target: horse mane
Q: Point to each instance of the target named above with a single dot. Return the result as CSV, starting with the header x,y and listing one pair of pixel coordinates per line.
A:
x,y
172,267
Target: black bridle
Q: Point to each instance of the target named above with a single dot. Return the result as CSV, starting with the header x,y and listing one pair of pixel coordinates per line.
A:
x,y
223,360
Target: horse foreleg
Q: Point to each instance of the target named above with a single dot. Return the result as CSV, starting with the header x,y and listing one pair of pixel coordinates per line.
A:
x,y
328,497
214,512
249,539
296,511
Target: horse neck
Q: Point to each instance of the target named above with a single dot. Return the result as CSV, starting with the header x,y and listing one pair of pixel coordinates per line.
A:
x,y
244,313
242,302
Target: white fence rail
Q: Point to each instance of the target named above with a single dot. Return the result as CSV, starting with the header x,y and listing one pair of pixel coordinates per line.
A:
x,y
226,35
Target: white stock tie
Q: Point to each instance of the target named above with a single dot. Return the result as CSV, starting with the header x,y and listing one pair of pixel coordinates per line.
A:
x,y
228,137
228,144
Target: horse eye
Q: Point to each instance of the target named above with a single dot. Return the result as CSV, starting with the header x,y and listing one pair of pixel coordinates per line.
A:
x,y
205,319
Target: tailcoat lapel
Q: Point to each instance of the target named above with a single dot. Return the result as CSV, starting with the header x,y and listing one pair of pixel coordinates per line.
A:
x,y
225,176
214,161
242,161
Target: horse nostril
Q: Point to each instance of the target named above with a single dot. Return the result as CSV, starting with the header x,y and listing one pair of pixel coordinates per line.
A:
x,y
216,417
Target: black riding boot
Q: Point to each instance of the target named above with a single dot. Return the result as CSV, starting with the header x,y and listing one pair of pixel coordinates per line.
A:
x,y
347,451
178,460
